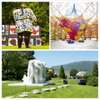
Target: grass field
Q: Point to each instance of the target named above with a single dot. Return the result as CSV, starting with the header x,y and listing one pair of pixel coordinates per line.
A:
x,y
23,47
73,91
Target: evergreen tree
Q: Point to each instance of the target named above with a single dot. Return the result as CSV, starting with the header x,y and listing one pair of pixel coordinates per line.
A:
x,y
62,73
95,70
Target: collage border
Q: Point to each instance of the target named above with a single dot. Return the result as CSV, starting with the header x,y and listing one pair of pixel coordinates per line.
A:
x,y
97,50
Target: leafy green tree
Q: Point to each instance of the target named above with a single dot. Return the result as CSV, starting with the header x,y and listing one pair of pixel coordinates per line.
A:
x,y
61,72
93,78
95,70
51,72
14,64
73,73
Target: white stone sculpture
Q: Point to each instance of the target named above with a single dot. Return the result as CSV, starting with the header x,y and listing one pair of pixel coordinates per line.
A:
x,y
36,72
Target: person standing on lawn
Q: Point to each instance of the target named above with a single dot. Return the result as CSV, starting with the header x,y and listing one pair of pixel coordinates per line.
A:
x,y
24,19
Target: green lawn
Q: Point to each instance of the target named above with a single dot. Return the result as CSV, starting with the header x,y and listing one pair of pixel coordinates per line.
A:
x,y
23,47
73,91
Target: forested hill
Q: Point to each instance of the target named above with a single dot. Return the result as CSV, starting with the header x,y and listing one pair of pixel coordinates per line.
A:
x,y
80,66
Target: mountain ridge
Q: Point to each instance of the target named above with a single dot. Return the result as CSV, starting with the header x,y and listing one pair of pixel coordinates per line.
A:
x,y
79,65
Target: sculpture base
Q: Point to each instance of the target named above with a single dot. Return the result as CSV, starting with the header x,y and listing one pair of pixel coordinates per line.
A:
x,y
24,94
23,84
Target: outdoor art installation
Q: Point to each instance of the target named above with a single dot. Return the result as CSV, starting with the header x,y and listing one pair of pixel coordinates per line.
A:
x,y
36,72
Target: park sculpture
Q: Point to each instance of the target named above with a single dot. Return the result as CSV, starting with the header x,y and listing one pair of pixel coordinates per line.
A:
x,y
36,72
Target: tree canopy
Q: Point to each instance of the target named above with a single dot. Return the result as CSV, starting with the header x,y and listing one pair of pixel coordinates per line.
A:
x,y
14,64
93,78
73,73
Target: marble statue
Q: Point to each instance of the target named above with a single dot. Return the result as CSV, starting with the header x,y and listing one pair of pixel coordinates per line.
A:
x,y
36,72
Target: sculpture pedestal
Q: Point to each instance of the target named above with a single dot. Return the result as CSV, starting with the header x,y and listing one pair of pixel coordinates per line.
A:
x,y
24,94
22,84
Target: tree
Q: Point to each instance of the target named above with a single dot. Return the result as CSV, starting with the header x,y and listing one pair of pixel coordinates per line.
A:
x,y
93,78
51,72
95,70
62,73
73,73
14,64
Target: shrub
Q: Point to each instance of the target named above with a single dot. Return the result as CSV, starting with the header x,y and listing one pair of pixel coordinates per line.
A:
x,y
92,80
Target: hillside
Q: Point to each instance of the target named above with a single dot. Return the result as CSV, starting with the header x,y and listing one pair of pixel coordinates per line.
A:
x,y
80,66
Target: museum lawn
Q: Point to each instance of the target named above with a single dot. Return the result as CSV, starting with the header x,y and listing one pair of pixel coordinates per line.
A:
x,y
23,47
72,91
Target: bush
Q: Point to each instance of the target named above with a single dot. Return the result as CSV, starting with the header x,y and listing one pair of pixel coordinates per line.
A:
x,y
92,80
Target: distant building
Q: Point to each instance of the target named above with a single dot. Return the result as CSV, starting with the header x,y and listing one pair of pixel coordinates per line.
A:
x,y
81,74
81,77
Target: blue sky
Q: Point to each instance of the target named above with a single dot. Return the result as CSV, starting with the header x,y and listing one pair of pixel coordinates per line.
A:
x,y
53,58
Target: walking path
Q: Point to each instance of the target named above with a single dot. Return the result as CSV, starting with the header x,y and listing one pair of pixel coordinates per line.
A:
x,y
87,44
